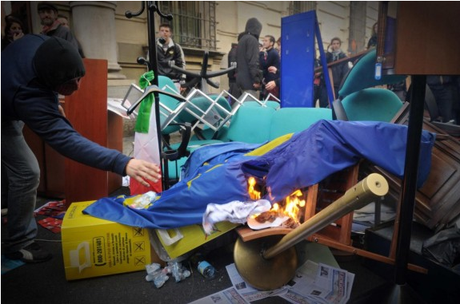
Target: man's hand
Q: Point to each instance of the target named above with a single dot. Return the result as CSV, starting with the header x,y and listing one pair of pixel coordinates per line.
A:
x,y
272,69
142,171
61,110
256,86
270,85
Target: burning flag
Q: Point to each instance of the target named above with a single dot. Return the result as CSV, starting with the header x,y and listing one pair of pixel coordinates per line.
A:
x,y
219,173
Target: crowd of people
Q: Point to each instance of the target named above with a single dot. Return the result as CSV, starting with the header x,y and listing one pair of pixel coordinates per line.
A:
x,y
257,63
258,66
261,78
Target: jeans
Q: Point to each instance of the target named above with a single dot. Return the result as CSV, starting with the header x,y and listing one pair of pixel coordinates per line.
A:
x,y
443,94
20,186
320,93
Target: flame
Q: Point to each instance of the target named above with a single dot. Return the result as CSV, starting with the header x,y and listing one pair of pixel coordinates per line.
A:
x,y
291,206
253,194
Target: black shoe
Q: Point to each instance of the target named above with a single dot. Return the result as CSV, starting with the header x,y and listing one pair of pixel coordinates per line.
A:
x,y
30,254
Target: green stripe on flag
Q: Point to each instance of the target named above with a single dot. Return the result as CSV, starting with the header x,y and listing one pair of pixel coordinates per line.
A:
x,y
145,109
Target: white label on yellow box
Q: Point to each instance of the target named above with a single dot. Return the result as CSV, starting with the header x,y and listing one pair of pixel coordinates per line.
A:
x,y
176,242
94,247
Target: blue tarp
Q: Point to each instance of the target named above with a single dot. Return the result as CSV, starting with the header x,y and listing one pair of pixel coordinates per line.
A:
x,y
218,173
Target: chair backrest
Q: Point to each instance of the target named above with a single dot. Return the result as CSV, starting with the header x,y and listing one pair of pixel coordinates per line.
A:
x,y
251,124
203,104
166,84
373,104
269,103
362,76
290,120
273,104
251,103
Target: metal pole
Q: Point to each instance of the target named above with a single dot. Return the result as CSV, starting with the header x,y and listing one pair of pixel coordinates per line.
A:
x,y
409,185
152,7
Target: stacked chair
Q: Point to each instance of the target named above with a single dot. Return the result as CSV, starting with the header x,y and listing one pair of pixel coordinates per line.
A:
x,y
360,98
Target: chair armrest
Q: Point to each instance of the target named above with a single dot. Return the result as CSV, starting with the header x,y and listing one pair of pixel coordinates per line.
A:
x,y
339,110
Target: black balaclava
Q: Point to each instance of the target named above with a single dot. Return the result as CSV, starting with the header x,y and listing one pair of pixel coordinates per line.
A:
x,y
57,61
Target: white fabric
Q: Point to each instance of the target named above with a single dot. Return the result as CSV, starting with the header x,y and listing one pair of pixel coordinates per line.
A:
x,y
146,145
234,212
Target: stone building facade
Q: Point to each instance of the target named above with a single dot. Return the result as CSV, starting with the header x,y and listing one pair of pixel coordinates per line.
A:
x,y
106,33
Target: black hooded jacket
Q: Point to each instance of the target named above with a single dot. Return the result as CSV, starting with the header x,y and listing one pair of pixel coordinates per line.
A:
x,y
248,72
32,67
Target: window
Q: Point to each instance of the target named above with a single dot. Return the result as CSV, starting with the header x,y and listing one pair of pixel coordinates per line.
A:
x,y
194,22
296,7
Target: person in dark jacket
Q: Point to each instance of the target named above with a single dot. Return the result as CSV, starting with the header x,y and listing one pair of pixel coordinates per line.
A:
x,y
270,58
35,69
168,50
275,85
339,71
48,14
248,75
334,53
234,90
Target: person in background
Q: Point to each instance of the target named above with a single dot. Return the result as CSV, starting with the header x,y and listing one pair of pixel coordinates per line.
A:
x,y
443,88
372,43
234,90
319,87
63,20
248,74
48,14
262,56
168,50
35,69
339,71
278,46
275,85
13,31
269,59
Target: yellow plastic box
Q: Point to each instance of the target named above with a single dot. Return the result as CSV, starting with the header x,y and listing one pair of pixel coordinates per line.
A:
x,y
171,244
94,247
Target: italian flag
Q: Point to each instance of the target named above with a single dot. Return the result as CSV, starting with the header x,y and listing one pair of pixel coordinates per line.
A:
x,y
146,137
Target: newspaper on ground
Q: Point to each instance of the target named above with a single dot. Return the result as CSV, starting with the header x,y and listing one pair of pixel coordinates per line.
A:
x,y
320,283
247,292
318,280
312,283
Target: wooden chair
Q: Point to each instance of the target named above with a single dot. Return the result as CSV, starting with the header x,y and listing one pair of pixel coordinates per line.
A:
x,y
337,235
